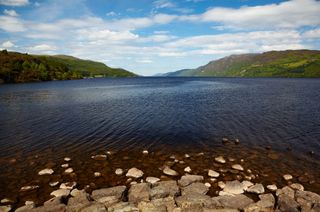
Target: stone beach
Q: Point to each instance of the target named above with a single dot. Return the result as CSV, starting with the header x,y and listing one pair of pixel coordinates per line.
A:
x,y
173,190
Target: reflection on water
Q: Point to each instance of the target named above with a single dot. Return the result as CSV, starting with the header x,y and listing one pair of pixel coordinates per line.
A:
x,y
41,123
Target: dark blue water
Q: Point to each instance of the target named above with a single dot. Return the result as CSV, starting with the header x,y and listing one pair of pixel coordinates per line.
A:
x,y
41,123
159,113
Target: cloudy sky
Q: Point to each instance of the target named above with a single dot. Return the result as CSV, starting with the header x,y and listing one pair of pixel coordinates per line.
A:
x,y
157,36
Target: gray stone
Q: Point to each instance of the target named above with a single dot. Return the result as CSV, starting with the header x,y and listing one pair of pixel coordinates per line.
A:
x,y
220,159
265,204
50,208
238,201
287,204
287,191
123,207
287,177
134,172
307,198
29,188
272,187
233,187
53,201
246,184
119,171
194,202
297,186
152,180
199,188
99,157
188,179
164,189
219,210
78,202
117,191
257,188
5,208
139,192
94,207
237,167
6,201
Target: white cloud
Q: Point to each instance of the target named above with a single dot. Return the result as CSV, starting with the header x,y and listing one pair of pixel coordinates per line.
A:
x,y
144,61
43,48
112,13
10,13
312,34
7,44
11,24
289,14
14,2
163,4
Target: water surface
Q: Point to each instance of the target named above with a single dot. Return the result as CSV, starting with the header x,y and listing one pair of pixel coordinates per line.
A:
x,y
41,123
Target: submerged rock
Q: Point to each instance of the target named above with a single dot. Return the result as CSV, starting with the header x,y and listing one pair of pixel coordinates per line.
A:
x,y
68,170
53,184
97,174
67,159
99,157
287,177
68,185
168,171
60,192
212,173
65,165
134,172
187,169
119,171
237,167
45,172
29,188
220,159
145,152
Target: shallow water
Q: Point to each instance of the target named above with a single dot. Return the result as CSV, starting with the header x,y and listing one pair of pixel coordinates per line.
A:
x,y
41,123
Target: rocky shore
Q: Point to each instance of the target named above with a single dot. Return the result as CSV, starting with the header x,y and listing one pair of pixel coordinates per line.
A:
x,y
186,194
177,185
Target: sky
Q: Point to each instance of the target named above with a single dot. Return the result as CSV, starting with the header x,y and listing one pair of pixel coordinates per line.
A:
x,y
157,36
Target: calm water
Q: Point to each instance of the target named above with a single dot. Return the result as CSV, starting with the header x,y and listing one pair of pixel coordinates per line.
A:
x,y
41,123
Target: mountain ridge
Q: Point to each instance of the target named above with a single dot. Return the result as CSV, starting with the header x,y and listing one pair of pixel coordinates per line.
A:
x,y
287,63
17,67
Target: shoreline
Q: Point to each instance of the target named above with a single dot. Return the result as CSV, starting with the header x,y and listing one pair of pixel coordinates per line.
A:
x,y
186,172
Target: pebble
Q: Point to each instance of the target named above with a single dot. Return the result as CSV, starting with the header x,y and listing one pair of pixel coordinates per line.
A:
x,y
67,159
29,188
221,184
237,141
52,184
45,172
208,185
187,156
69,170
30,203
237,167
99,157
187,169
152,180
68,185
6,201
97,174
65,165
220,159
134,172
287,177
231,159
145,152
212,173
213,179
168,171
272,187
119,171
60,193
225,140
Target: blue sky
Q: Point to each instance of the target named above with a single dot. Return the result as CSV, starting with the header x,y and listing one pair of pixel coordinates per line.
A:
x,y
157,36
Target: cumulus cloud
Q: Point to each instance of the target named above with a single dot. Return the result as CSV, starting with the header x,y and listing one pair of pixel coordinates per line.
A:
x,y
289,14
42,48
14,2
10,13
11,24
7,44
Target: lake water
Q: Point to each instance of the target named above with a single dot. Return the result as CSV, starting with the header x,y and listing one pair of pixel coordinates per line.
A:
x,y
41,123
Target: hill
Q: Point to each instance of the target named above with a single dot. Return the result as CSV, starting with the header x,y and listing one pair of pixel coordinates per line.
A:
x,y
17,67
289,63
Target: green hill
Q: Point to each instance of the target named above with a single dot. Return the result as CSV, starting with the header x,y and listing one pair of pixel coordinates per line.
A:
x,y
290,63
17,67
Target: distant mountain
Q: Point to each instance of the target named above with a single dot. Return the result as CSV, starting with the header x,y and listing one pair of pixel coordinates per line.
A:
x,y
289,63
18,67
